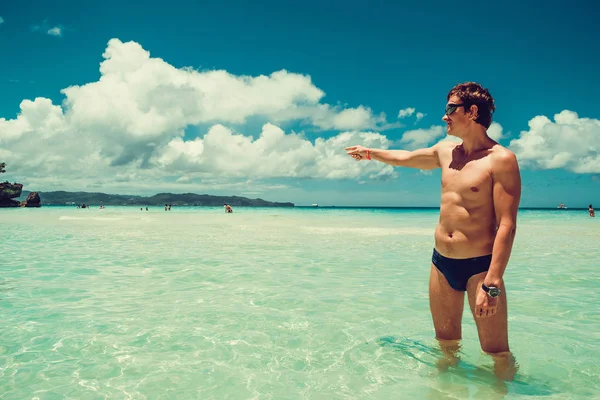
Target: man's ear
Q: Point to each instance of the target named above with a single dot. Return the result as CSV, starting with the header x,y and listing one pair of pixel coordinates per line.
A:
x,y
474,112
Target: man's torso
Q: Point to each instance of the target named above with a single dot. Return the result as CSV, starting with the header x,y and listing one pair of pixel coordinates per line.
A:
x,y
467,224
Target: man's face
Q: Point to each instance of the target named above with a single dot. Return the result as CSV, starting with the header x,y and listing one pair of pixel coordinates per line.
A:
x,y
457,120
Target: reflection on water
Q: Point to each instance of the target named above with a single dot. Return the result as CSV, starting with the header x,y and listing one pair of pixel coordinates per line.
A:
x,y
455,374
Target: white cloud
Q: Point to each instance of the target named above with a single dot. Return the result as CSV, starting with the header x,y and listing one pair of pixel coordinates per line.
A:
x,y
147,97
127,128
569,142
495,131
273,154
326,117
48,29
407,112
40,140
419,138
39,119
410,111
56,31
351,118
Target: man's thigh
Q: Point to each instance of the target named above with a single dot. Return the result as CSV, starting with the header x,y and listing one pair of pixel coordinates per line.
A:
x,y
446,306
493,331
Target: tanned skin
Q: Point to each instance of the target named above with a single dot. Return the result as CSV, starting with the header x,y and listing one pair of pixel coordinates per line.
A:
x,y
481,190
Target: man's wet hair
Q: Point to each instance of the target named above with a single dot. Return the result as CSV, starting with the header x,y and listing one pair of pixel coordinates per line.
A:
x,y
472,93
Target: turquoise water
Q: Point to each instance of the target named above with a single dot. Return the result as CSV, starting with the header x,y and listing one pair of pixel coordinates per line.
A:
x,y
278,304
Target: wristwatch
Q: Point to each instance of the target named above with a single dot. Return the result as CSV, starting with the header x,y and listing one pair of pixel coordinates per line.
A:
x,y
491,291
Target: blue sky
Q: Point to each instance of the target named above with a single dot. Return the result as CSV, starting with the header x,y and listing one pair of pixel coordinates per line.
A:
x,y
341,65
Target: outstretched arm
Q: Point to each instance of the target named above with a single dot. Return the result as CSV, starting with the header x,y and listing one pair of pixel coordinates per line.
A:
x,y
421,158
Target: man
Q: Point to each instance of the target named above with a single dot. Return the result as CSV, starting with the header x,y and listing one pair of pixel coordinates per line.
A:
x,y
591,211
481,190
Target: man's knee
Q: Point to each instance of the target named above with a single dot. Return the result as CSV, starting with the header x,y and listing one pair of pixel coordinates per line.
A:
x,y
495,348
448,332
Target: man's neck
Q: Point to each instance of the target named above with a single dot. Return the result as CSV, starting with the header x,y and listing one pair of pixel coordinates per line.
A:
x,y
476,139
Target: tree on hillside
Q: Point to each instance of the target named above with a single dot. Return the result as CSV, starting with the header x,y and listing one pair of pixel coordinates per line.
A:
x,y
2,166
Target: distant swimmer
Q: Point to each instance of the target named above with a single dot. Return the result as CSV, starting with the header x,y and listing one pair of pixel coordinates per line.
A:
x,y
480,195
146,208
591,211
227,208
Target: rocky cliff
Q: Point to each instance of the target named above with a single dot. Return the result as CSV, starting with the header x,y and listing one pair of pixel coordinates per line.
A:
x,y
9,191
33,200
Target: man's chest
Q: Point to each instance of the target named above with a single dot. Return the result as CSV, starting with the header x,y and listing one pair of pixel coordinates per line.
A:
x,y
473,180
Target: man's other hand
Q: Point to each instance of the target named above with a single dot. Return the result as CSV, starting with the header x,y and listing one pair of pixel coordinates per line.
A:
x,y
485,306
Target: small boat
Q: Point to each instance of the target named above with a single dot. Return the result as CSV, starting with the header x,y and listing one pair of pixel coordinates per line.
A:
x,y
561,206
315,205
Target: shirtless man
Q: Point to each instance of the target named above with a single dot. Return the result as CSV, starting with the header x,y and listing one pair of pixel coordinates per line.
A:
x,y
481,190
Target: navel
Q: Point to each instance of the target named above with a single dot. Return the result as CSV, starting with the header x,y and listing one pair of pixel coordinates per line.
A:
x,y
474,189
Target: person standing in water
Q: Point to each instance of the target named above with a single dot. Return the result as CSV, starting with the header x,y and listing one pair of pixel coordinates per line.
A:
x,y
591,211
481,191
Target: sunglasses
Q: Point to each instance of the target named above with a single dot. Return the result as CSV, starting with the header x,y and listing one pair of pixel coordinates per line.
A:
x,y
450,108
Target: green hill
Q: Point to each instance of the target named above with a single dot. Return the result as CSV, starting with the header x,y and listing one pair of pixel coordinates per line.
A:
x,y
160,199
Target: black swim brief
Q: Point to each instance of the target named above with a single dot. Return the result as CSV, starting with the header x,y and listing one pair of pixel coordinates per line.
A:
x,y
458,270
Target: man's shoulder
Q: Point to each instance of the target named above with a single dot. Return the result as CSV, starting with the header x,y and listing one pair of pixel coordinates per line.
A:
x,y
503,159
502,155
446,145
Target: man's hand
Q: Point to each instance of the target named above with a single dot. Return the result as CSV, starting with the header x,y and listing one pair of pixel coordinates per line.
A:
x,y
357,152
485,306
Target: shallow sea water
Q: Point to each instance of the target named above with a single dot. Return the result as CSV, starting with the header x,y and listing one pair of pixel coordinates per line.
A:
x,y
275,303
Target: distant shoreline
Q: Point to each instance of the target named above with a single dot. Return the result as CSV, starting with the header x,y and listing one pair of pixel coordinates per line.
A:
x,y
106,206
63,198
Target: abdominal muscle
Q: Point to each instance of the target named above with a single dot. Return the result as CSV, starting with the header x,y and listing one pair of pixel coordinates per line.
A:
x,y
465,232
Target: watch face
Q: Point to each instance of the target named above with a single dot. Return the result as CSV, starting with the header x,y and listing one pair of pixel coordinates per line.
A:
x,y
494,292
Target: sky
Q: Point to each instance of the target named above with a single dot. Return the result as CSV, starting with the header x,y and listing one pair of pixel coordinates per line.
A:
x,y
260,98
